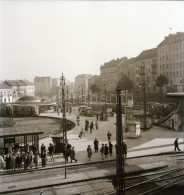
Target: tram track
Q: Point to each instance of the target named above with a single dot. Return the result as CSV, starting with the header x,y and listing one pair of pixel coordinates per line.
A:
x,y
153,179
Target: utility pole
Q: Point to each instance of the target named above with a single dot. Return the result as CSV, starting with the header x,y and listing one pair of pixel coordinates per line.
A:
x,y
119,181
105,103
144,102
62,84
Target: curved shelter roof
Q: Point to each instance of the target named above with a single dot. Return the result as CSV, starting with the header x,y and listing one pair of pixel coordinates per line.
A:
x,y
19,131
29,99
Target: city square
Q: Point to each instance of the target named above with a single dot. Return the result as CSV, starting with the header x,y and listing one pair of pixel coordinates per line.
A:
x,y
91,97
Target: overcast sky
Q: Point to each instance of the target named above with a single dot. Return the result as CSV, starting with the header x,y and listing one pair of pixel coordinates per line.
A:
x,y
46,38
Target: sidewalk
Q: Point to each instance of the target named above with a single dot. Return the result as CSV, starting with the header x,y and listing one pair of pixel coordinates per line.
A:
x,y
145,145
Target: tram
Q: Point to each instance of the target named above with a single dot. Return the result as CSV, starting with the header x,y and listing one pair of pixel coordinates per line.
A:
x,y
19,110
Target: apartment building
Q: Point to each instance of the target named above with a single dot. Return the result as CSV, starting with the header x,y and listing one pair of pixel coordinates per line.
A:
x,y
42,86
126,67
81,84
146,64
5,93
171,58
110,73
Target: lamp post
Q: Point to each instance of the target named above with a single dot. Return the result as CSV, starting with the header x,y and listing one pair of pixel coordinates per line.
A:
x,y
105,104
62,84
119,180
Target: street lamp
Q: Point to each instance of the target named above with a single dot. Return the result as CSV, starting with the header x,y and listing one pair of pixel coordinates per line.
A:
x,y
119,180
62,84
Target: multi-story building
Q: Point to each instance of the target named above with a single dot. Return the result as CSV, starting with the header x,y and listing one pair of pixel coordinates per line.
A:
x,y
42,86
29,88
81,84
5,93
171,58
19,88
127,68
109,73
146,70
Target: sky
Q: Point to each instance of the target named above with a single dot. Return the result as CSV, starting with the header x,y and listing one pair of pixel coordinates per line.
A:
x,y
48,38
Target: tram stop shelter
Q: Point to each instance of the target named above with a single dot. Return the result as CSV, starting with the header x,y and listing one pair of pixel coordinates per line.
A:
x,y
19,137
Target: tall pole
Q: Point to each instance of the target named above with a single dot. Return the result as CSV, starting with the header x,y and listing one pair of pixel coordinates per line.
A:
x,y
119,181
105,104
62,83
144,102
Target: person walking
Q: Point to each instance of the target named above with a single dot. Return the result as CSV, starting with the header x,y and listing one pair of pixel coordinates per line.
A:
x,y
91,126
18,161
124,149
78,120
110,148
176,145
42,148
43,157
72,155
106,153
102,151
96,124
36,160
2,163
96,143
89,152
51,152
109,136
81,134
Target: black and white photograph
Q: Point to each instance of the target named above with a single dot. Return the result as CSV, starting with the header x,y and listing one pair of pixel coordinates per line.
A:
x,y
91,97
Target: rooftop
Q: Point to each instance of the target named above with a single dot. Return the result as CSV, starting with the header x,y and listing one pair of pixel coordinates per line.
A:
x,y
147,54
19,130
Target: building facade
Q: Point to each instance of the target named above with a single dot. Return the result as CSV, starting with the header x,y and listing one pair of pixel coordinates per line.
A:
x,y
146,70
42,86
171,58
110,73
81,84
5,93
127,67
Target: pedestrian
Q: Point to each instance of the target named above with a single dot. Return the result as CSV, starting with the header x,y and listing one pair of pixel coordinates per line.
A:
x,y
96,124
110,148
102,151
106,153
124,149
109,136
18,161
34,148
66,153
89,152
176,145
8,165
13,161
51,152
91,126
72,155
36,160
29,160
43,148
43,157
96,143
86,125
78,120
96,116
81,134
24,159
2,163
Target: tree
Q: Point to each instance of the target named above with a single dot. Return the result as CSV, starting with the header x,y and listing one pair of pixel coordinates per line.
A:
x,y
161,81
125,83
94,88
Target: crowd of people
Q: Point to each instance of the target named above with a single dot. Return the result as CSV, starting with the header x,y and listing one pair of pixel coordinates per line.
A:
x,y
17,159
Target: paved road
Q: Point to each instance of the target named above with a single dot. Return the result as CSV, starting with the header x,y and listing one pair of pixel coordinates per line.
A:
x,y
152,141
